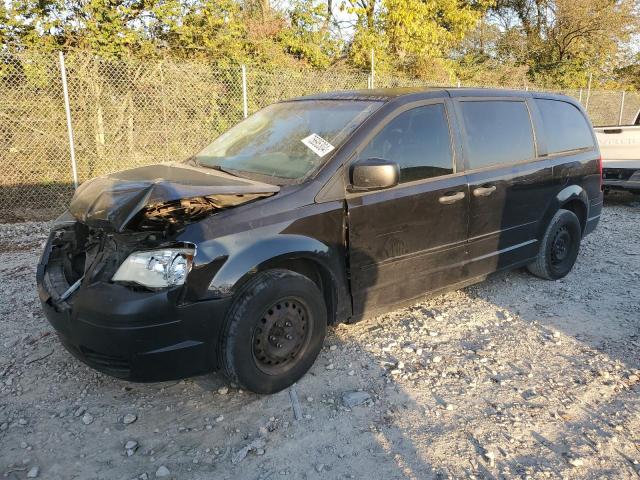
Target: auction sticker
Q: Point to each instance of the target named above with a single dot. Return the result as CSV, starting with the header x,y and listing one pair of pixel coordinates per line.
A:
x,y
318,144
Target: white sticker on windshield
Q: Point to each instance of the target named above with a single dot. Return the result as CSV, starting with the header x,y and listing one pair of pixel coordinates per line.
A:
x,y
318,144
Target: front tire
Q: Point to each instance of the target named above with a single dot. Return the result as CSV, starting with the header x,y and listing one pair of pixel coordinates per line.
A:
x,y
273,332
559,248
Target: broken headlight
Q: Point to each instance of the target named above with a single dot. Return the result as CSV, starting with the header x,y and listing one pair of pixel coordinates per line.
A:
x,y
156,268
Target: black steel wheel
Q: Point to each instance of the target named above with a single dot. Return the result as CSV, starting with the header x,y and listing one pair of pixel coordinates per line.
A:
x,y
273,332
281,336
559,247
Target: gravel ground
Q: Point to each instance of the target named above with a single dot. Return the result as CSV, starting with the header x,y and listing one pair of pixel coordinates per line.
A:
x,y
512,378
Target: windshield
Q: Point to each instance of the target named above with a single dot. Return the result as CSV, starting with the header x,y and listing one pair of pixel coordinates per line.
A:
x,y
288,140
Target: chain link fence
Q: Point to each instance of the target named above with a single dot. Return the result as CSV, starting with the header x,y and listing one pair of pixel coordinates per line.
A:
x,y
132,113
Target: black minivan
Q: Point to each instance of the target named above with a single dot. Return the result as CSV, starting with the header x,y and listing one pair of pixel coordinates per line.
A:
x,y
314,211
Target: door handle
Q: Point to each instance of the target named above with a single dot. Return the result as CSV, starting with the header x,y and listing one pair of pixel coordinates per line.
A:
x,y
449,199
484,191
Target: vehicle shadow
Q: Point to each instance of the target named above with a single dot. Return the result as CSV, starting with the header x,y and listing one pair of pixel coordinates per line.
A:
x,y
595,303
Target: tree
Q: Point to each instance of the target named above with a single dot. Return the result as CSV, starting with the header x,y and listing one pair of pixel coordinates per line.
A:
x,y
307,37
414,36
566,39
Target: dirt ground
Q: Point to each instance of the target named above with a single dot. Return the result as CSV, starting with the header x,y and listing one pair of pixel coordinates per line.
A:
x,y
512,378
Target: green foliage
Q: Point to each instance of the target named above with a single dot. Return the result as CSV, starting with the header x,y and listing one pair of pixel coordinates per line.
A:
x,y
562,41
307,37
415,37
557,43
630,74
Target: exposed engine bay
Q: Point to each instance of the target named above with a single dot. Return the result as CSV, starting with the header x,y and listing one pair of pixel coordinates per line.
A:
x,y
128,213
161,197
76,253
175,213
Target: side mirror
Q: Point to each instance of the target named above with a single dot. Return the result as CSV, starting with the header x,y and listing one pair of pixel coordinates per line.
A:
x,y
374,174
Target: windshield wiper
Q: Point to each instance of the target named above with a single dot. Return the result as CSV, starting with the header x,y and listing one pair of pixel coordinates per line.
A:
x,y
218,168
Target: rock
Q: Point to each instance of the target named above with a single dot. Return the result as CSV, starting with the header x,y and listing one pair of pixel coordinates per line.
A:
x,y
162,472
491,457
33,472
79,411
436,359
130,447
87,418
576,462
529,394
354,398
257,444
319,467
223,390
333,347
129,418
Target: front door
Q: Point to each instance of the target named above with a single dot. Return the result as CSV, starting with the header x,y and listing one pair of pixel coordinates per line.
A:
x,y
409,239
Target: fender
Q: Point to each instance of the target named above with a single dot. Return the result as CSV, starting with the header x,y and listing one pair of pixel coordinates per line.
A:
x,y
248,259
275,251
567,194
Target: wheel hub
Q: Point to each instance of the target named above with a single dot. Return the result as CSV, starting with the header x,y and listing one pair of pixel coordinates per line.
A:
x,y
561,246
280,334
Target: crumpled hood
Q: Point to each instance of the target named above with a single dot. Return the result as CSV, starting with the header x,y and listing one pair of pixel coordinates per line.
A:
x,y
113,200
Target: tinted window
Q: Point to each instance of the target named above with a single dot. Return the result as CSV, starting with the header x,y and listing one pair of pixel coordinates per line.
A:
x,y
418,140
564,126
497,132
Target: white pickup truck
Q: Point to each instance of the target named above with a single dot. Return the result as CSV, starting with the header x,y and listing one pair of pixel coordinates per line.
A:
x,y
620,149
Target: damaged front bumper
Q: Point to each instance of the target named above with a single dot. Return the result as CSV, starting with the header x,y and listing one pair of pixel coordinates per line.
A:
x,y
127,332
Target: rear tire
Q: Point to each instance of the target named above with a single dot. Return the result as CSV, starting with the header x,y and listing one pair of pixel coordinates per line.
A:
x,y
273,332
559,247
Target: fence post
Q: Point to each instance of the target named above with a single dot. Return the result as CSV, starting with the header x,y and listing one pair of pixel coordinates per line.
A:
x,y
621,107
67,108
164,114
245,110
458,83
586,105
580,98
372,69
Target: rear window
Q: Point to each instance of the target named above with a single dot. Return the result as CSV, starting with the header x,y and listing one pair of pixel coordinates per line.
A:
x,y
498,132
564,126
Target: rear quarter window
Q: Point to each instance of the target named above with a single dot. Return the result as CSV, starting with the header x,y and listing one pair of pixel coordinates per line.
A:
x,y
497,132
564,126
